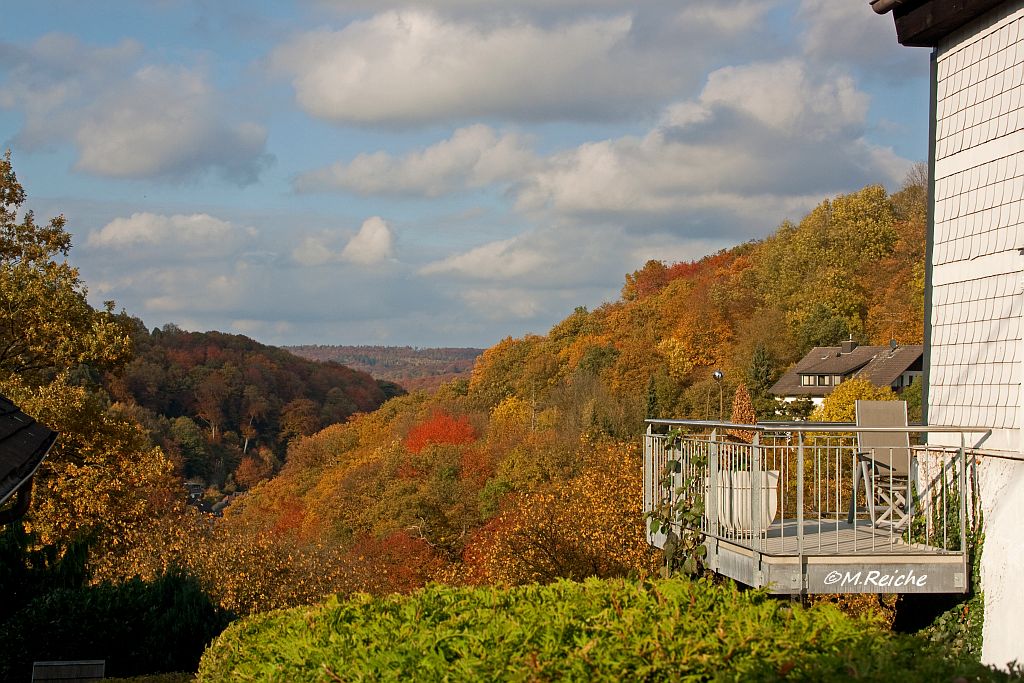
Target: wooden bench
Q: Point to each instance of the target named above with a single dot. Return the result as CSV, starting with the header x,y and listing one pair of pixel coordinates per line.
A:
x,y
69,672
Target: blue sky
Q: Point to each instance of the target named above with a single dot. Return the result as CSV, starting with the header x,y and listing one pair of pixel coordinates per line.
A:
x,y
436,173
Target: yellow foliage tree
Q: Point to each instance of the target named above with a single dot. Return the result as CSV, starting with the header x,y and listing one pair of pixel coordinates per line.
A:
x,y
840,405
701,340
103,480
588,525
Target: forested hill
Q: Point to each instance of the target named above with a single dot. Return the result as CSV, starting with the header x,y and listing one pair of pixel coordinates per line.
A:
x,y
224,406
412,368
528,472
487,481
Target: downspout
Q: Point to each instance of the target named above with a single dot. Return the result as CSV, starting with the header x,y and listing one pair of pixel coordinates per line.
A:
x,y
929,235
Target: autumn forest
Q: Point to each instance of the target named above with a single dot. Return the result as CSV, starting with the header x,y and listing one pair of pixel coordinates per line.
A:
x,y
320,480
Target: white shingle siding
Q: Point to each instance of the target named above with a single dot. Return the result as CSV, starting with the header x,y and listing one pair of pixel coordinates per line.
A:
x,y
976,357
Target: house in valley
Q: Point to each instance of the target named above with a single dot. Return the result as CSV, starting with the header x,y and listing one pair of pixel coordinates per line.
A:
x,y
824,368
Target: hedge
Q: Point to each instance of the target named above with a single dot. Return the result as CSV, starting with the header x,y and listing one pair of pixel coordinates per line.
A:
x,y
616,630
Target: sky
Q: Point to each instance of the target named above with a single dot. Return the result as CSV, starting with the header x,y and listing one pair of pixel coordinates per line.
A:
x,y
438,172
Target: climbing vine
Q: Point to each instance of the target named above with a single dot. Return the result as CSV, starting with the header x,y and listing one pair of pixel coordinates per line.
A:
x,y
679,512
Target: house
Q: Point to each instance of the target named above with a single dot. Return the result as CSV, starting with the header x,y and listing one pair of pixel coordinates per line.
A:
x,y
825,367
23,445
974,294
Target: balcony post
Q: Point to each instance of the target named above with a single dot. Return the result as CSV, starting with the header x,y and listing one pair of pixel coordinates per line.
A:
x,y
800,497
649,477
756,518
711,500
962,477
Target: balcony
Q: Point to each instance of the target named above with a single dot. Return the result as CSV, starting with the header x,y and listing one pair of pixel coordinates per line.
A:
x,y
786,505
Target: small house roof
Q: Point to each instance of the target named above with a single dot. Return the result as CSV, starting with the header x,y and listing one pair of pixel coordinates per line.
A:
x,y
881,365
23,445
887,365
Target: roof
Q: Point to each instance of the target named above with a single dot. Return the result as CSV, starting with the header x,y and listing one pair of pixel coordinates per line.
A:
x,y
887,366
923,23
881,365
23,445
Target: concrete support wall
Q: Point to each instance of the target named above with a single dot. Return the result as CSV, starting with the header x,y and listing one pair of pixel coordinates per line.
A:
x,y
976,360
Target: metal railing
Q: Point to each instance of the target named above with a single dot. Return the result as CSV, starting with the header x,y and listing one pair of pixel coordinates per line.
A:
x,y
806,489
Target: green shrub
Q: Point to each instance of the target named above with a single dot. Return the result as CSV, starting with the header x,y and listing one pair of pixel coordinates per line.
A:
x,y
597,630
137,627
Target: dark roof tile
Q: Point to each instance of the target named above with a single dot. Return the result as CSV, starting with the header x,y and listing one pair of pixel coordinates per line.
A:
x,y
23,445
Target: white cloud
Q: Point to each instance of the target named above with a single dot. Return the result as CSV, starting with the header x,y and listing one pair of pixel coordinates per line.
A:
x,y
48,80
314,250
504,303
766,139
787,97
126,119
474,156
371,245
201,234
164,121
848,32
504,260
413,66
735,18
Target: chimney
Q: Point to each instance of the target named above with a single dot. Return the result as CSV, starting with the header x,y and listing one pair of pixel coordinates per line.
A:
x,y
847,346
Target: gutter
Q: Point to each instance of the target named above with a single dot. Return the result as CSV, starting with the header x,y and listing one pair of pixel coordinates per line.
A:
x,y
24,487
884,6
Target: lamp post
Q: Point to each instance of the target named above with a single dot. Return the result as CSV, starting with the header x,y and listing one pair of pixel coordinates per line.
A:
x,y
718,376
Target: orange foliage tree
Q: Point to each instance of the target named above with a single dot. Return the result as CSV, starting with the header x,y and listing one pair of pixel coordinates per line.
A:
x,y
441,428
742,413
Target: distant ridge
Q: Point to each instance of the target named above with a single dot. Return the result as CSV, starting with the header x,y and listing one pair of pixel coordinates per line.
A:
x,y
412,368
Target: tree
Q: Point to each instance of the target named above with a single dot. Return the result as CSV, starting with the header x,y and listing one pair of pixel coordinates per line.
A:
x,y
440,428
299,418
742,413
822,327
699,341
588,525
761,374
840,405
194,453
210,397
254,468
646,281
103,480
47,325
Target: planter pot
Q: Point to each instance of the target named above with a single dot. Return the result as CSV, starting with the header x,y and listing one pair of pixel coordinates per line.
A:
x,y
735,501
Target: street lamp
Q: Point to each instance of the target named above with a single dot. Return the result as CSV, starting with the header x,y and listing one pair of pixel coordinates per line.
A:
x,y
718,376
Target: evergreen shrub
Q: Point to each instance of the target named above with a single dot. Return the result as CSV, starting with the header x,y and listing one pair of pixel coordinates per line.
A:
x,y
138,627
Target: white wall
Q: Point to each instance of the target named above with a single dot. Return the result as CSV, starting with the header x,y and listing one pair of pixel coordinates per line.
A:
x,y
977,352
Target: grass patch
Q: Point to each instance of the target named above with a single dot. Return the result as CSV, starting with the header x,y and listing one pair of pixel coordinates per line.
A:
x,y
671,630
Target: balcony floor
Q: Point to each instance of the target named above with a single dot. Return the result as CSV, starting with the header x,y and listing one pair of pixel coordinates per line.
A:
x,y
830,537
837,557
